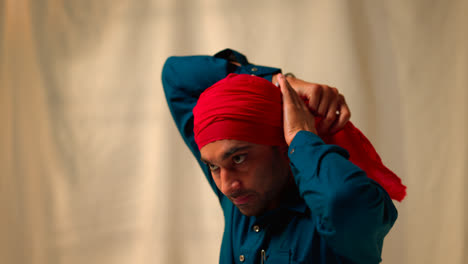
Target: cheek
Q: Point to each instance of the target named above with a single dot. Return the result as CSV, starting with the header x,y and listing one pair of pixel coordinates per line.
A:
x,y
260,177
216,180
272,175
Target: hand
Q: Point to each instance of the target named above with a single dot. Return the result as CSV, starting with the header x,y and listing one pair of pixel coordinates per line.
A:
x,y
296,114
324,101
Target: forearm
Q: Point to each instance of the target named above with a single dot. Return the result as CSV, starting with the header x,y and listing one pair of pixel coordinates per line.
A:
x,y
353,213
185,78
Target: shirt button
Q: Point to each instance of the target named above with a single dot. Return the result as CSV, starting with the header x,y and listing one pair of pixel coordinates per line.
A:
x,y
241,258
256,228
254,69
292,151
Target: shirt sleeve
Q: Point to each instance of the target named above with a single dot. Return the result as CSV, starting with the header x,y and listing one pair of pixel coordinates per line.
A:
x,y
353,213
184,78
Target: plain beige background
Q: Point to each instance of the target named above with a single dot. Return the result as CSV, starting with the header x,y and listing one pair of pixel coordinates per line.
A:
x,y
92,169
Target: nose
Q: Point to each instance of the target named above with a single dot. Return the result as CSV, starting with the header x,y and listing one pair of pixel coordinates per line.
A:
x,y
229,181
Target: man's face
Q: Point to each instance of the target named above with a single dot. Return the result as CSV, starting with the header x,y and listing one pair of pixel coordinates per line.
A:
x,y
252,176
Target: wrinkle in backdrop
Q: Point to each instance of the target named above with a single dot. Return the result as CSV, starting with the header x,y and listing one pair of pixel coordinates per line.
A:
x,y
92,169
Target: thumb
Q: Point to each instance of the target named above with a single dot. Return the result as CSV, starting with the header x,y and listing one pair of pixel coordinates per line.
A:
x,y
286,90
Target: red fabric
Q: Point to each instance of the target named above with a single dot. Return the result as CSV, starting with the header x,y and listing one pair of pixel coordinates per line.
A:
x,y
362,153
249,108
241,107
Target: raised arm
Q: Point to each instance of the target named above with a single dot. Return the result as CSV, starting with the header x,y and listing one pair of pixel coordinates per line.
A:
x,y
352,211
185,78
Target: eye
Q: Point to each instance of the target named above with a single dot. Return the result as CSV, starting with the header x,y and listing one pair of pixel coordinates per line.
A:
x,y
212,167
238,159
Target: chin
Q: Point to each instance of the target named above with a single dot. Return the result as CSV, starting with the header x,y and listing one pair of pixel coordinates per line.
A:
x,y
250,211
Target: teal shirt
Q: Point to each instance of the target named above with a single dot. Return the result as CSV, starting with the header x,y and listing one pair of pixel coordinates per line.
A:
x,y
336,215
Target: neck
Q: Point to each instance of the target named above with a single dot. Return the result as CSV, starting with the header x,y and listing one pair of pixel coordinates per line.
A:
x,y
286,193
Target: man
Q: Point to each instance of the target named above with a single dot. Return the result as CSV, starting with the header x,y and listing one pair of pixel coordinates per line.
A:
x,y
287,197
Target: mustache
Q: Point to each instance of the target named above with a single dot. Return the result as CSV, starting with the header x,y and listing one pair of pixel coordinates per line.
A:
x,y
237,194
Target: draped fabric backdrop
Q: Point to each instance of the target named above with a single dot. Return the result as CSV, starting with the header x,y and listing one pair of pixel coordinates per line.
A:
x,y
92,169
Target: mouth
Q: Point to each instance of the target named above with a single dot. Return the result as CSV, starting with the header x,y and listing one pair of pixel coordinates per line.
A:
x,y
242,200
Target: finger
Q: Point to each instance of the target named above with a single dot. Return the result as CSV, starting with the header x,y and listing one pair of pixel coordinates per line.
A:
x,y
289,95
314,95
284,89
296,115
343,118
289,108
327,96
330,116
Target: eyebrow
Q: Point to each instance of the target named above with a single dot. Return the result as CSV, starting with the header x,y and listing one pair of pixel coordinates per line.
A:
x,y
229,152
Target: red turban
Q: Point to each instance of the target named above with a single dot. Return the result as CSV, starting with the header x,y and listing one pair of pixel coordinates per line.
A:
x,y
241,107
249,108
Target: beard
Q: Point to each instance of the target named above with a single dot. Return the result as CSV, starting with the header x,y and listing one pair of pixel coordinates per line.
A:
x,y
257,204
